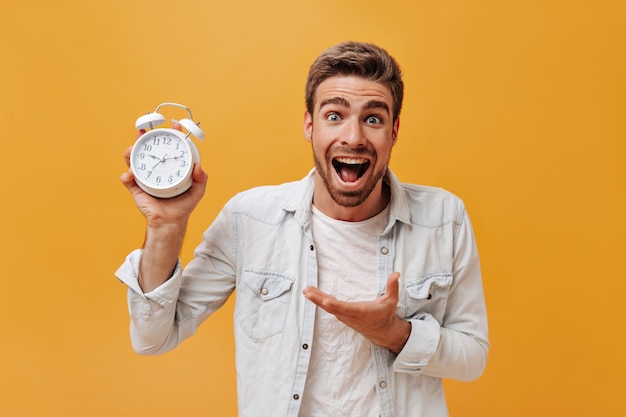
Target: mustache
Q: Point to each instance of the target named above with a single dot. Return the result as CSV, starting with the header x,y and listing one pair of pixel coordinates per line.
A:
x,y
350,152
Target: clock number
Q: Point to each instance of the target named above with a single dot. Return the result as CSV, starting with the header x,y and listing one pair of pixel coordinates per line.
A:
x,y
183,163
142,167
147,148
142,155
167,141
170,179
156,141
158,179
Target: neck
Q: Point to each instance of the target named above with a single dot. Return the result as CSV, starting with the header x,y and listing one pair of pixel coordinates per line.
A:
x,y
373,204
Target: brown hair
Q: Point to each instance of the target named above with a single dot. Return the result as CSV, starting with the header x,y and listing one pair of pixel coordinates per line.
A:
x,y
356,58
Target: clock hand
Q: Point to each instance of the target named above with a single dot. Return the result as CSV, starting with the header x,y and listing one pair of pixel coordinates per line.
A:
x,y
163,159
156,165
176,157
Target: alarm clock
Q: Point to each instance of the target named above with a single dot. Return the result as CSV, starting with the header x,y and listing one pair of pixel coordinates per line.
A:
x,y
162,159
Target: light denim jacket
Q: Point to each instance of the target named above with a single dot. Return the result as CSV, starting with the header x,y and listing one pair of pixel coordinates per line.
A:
x,y
261,246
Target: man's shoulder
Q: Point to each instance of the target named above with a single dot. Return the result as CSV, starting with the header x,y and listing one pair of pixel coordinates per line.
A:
x,y
428,193
431,206
266,202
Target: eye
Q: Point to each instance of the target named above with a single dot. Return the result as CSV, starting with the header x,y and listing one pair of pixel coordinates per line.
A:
x,y
333,117
373,120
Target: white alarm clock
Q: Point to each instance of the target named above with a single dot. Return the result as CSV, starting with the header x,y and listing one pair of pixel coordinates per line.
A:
x,y
162,159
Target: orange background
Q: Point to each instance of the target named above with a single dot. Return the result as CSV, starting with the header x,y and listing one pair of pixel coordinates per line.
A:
x,y
516,106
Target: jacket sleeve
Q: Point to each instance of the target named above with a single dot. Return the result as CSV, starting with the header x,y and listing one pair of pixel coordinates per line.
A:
x,y
161,319
457,347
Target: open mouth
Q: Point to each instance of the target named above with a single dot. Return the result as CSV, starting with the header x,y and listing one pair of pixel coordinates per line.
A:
x,y
350,169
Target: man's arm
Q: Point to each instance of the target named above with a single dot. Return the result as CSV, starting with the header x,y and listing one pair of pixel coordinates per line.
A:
x,y
166,223
152,302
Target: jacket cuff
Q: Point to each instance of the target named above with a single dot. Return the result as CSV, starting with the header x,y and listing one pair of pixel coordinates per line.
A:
x,y
166,293
420,347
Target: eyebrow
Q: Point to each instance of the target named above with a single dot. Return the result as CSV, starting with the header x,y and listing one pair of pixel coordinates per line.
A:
x,y
372,104
335,100
377,104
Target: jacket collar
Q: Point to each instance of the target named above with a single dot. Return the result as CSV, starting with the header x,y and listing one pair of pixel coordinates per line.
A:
x,y
301,201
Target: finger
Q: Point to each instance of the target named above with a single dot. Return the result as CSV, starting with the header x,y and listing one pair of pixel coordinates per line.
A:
x,y
176,125
140,132
128,179
311,293
198,174
316,296
127,155
393,285
198,186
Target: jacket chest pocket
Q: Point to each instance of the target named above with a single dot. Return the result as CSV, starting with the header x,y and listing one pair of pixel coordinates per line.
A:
x,y
428,294
263,302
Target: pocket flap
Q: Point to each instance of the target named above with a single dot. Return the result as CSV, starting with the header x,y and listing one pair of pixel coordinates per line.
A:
x,y
266,284
421,287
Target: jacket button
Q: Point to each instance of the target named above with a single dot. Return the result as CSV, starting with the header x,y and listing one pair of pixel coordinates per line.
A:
x,y
264,291
296,397
311,247
383,384
305,346
384,251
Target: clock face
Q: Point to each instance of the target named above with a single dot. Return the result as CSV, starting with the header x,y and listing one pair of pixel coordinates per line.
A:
x,y
162,161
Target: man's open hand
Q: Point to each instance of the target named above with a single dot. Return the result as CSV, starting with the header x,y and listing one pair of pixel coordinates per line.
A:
x,y
376,320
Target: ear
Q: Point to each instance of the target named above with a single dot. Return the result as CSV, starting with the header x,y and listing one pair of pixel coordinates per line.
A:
x,y
308,126
394,132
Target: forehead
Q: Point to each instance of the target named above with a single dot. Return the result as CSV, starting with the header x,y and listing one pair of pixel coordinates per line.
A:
x,y
353,89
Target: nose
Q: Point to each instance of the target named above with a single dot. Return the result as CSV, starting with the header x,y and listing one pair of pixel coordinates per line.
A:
x,y
352,134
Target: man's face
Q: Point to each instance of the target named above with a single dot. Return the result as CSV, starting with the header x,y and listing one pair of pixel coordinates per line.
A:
x,y
352,133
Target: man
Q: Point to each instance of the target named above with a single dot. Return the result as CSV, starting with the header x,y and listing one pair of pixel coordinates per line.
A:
x,y
356,293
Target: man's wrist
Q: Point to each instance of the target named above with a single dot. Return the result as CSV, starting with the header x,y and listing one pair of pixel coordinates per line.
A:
x,y
400,335
160,254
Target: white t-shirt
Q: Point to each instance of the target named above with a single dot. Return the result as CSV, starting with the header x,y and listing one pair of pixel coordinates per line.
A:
x,y
341,380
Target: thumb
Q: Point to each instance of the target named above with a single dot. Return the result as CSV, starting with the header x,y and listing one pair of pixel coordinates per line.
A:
x,y
393,285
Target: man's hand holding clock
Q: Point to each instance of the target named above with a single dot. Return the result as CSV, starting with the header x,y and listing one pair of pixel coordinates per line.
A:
x,y
166,216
